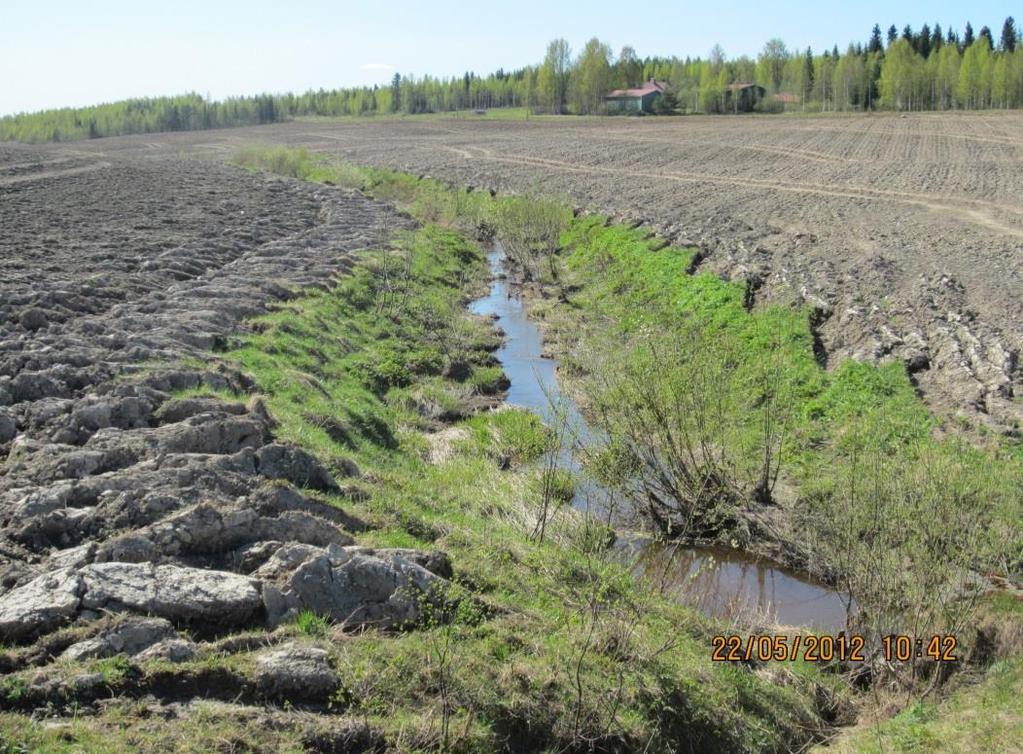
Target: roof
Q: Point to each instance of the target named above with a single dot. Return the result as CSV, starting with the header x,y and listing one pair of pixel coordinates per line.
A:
x,y
737,87
649,87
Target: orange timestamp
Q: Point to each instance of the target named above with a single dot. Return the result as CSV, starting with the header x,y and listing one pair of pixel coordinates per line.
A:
x,y
841,648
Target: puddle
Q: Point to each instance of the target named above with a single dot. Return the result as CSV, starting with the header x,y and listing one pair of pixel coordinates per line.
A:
x,y
718,581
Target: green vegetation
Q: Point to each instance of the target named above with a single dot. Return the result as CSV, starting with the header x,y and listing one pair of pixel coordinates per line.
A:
x,y
573,650
900,514
922,70
983,716
187,112
758,406
309,623
716,408
560,648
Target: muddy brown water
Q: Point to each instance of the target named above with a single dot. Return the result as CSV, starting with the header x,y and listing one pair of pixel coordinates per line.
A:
x,y
720,581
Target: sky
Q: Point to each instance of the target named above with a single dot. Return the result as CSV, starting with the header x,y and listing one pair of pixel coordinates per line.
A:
x,y
71,53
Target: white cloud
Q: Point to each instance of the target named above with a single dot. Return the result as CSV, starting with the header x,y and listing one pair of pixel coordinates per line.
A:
x,y
376,67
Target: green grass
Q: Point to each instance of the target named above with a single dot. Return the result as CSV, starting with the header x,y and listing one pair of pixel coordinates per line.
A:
x,y
624,284
984,716
623,281
570,648
310,624
338,370
626,280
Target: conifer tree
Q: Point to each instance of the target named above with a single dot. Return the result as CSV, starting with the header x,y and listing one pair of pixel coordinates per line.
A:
x,y
985,34
923,44
875,45
1008,41
396,93
807,75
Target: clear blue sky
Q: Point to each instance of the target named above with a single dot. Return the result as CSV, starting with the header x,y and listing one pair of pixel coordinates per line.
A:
x,y
82,52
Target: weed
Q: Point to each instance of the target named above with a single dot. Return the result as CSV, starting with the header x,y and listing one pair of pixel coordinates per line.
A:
x,y
311,624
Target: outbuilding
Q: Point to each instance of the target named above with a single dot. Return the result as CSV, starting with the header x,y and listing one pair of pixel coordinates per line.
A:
x,y
742,98
637,100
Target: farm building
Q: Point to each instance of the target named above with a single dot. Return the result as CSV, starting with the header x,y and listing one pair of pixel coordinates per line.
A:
x,y
742,98
787,98
637,100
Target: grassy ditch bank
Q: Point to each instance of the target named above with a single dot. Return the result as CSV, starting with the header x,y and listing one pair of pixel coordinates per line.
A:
x,y
384,373
388,380
728,426
573,651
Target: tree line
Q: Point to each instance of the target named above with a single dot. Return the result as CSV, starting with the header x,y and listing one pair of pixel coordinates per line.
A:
x,y
924,69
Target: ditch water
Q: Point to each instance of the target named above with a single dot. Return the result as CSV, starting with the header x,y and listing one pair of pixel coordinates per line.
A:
x,y
719,581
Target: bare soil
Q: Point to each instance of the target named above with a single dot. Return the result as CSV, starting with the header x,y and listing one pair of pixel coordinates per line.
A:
x,y
136,479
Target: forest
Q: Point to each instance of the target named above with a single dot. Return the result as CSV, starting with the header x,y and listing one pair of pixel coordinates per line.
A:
x,y
925,69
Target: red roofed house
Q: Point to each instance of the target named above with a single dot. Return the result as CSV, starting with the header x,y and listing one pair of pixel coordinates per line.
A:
x,y
638,100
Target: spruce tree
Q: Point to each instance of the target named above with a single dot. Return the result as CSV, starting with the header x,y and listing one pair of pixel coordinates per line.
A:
x,y
985,34
1008,42
968,37
893,34
875,45
396,93
923,44
936,39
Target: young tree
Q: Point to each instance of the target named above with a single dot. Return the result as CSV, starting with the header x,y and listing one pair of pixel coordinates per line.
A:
x,y
771,64
823,80
592,78
848,78
898,76
946,76
629,68
710,93
666,104
554,75
1001,82
974,87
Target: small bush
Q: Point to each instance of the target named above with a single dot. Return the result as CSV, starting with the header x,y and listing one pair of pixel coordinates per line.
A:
x,y
294,163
